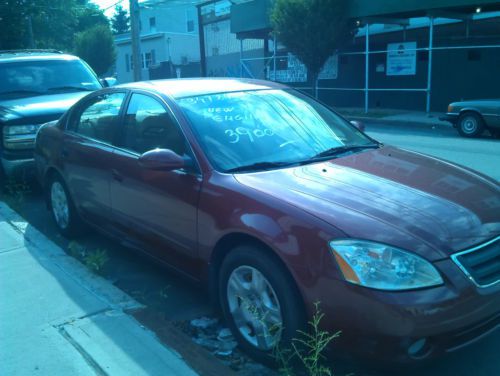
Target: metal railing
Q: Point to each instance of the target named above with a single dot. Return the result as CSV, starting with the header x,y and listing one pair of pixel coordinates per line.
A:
x,y
270,74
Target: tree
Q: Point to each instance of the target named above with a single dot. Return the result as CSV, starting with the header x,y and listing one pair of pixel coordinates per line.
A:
x,y
89,16
120,22
96,47
53,23
312,30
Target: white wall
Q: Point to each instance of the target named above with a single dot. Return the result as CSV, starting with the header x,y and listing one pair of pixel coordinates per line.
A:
x,y
167,36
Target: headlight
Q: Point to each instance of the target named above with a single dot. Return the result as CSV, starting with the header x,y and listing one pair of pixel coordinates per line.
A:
x,y
383,267
450,108
12,130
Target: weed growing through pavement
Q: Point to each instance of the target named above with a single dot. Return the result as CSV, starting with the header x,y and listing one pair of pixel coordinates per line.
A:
x,y
308,348
76,250
306,351
94,260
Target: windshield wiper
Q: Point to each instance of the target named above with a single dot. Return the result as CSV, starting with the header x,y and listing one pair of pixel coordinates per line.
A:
x,y
332,152
79,88
260,166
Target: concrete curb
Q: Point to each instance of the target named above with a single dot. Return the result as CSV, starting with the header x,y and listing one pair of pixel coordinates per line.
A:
x,y
98,286
63,320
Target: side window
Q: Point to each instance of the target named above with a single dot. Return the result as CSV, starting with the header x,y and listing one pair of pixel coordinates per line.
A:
x,y
149,126
97,120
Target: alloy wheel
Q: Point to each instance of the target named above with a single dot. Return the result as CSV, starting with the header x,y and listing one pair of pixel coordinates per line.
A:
x,y
59,203
254,307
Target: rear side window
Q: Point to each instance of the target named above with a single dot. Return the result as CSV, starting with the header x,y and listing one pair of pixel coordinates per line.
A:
x,y
97,119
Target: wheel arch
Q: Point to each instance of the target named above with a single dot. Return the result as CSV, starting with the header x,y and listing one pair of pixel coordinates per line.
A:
x,y
466,110
224,246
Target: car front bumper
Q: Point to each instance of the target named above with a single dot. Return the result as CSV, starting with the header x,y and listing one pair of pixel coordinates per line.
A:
x,y
18,164
410,326
450,117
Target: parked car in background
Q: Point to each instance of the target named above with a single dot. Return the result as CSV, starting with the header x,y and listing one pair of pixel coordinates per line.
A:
x,y
275,202
36,86
472,118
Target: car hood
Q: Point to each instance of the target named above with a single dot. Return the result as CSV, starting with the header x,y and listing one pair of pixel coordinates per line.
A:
x,y
477,102
392,196
38,109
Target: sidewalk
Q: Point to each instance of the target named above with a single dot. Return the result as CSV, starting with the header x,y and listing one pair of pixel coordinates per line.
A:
x,y
395,117
57,318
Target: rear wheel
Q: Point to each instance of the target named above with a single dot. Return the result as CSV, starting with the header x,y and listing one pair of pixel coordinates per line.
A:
x,y
260,301
62,208
470,124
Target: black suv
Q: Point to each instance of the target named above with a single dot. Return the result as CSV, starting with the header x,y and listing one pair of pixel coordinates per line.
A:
x,y
36,86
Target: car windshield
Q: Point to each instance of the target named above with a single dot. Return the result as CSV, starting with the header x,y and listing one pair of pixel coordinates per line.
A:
x,y
36,77
268,128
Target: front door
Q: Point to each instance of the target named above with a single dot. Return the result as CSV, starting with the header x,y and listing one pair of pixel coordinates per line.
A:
x,y
86,152
158,207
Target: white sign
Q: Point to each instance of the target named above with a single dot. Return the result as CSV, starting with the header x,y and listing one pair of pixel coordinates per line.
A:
x,y
401,59
330,69
297,72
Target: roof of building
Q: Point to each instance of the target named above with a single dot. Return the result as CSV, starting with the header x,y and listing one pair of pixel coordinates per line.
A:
x,y
187,87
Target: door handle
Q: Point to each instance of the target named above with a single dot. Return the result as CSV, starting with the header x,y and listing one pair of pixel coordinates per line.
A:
x,y
117,176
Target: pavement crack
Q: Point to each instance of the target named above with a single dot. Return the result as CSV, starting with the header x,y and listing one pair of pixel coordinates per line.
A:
x,y
86,356
88,315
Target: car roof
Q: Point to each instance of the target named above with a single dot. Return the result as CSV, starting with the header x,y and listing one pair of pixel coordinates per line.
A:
x,y
27,55
187,87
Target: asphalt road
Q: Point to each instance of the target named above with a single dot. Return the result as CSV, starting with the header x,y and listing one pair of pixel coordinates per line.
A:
x,y
170,298
481,154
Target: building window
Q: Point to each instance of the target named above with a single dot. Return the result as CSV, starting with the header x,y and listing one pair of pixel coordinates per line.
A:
x,y
153,57
152,22
127,62
190,26
215,51
147,59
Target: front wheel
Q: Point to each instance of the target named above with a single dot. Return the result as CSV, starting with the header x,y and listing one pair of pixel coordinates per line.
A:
x,y
470,124
62,208
260,302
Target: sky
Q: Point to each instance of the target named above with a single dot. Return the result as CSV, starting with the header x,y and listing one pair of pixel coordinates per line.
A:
x,y
103,4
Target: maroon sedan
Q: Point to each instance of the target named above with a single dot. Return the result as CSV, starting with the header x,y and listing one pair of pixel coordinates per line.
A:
x,y
276,202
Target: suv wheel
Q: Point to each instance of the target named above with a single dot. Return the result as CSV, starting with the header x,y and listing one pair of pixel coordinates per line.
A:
x,y
470,124
259,301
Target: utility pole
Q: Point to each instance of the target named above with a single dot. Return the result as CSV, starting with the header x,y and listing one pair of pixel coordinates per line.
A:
x,y
31,40
201,35
136,47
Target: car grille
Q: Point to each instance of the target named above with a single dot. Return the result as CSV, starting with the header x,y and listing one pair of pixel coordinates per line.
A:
x,y
481,264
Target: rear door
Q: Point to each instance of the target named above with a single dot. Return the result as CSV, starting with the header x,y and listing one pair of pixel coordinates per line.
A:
x,y
87,147
158,207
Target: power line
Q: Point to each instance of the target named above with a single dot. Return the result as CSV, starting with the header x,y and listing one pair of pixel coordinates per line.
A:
x,y
115,4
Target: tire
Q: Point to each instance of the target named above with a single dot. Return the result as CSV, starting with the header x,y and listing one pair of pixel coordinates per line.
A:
x,y
62,208
258,297
470,124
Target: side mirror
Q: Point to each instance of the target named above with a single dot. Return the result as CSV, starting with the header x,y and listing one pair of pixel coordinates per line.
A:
x,y
161,159
358,125
108,81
